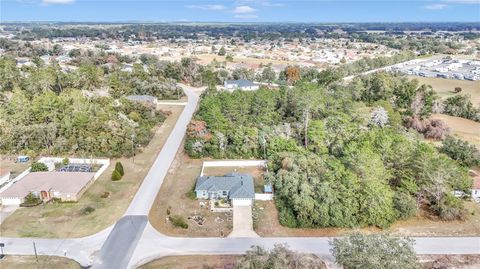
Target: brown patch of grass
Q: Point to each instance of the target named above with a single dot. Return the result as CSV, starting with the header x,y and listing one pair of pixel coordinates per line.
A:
x,y
29,262
445,87
450,261
191,262
464,129
66,220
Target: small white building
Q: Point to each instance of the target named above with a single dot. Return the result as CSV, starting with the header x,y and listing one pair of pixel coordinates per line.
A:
x,y
242,84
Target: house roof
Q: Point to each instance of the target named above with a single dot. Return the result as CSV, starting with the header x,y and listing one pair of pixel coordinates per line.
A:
x,y
63,182
240,83
238,185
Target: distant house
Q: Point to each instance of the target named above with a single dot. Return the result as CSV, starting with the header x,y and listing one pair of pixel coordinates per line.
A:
x,y
237,187
242,84
144,99
66,186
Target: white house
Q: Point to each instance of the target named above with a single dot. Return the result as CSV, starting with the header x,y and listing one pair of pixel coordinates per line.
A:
x,y
234,186
242,84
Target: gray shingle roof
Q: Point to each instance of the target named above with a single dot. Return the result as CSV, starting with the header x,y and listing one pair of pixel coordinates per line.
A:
x,y
241,83
238,185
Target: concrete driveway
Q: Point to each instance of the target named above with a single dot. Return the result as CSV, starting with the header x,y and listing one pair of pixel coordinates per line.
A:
x,y
242,222
7,210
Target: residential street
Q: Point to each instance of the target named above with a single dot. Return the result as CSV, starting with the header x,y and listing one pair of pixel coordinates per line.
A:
x,y
132,241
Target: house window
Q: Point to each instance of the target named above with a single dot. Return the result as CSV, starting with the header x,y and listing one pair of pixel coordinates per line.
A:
x,y
224,193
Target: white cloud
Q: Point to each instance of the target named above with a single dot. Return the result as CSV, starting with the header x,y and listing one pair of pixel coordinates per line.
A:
x,y
244,10
435,6
207,7
463,1
246,16
50,2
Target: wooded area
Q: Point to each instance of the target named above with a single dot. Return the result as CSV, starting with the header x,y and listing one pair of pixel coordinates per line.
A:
x,y
339,156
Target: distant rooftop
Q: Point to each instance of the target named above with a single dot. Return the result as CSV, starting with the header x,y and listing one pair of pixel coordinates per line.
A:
x,y
240,83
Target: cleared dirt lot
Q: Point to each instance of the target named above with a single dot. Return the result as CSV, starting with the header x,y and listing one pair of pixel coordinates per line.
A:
x,y
69,219
464,129
29,262
445,87
266,223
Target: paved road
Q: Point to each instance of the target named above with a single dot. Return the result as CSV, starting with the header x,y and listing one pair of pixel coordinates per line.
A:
x,y
78,249
154,245
121,242
145,196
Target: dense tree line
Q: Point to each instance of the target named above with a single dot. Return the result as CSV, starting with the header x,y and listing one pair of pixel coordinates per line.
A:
x,y
44,111
334,160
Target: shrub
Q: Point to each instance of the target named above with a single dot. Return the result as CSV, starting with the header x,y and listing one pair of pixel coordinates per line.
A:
x,y
461,151
458,89
105,194
87,210
119,168
451,208
38,167
404,204
66,161
178,221
116,175
31,200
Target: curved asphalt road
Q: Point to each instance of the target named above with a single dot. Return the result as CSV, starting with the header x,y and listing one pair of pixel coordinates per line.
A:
x,y
132,241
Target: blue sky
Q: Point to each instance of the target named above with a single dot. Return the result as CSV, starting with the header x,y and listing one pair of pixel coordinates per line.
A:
x,y
241,10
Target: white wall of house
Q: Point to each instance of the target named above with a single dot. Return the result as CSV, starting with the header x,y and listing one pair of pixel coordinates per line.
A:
x,y
264,196
5,178
242,202
11,201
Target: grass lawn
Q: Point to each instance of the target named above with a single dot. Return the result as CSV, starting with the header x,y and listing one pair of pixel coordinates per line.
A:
x,y
176,195
464,129
191,262
69,220
267,224
29,262
445,87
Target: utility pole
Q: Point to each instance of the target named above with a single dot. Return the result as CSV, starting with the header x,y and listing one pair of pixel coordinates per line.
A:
x,y
36,256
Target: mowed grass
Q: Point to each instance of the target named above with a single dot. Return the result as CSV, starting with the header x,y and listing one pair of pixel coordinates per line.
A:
x,y
445,87
29,262
464,129
69,220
